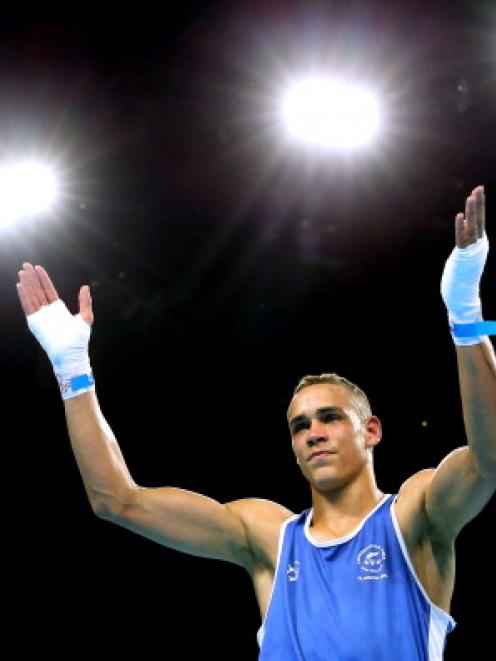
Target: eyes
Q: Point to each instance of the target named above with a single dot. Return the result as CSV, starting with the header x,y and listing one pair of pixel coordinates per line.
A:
x,y
304,422
328,417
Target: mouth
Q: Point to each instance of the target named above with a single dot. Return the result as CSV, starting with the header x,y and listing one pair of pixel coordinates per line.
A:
x,y
320,453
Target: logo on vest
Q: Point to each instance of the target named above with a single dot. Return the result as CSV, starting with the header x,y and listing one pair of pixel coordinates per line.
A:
x,y
371,561
293,572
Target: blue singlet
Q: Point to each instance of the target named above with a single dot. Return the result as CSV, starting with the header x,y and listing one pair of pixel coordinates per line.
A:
x,y
356,598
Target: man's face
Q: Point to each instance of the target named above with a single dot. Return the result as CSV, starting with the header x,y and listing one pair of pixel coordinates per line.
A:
x,y
330,441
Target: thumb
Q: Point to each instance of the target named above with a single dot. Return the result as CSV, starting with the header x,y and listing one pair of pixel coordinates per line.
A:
x,y
85,307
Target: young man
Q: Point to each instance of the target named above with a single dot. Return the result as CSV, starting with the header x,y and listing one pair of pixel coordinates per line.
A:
x,y
361,575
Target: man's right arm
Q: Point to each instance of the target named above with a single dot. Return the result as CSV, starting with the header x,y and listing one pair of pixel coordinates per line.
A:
x,y
239,532
176,518
244,532
99,458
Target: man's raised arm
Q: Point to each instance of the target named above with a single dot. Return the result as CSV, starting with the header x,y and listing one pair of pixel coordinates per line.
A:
x,y
477,376
465,480
475,353
475,356
65,338
176,518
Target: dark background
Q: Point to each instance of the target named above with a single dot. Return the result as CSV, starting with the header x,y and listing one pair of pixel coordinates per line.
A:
x,y
225,263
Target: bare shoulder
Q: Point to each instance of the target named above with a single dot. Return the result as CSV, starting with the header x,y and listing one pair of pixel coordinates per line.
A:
x,y
416,481
262,520
410,505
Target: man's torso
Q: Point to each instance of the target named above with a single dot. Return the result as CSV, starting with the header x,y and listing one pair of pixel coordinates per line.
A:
x,y
434,563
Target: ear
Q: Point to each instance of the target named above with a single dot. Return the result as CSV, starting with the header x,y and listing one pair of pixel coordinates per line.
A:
x,y
373,431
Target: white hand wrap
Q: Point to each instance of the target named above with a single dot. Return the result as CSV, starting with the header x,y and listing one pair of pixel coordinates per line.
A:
x,y
65,338
460,286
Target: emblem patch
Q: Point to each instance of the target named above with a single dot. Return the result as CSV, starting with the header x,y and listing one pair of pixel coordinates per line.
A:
x,y
371,561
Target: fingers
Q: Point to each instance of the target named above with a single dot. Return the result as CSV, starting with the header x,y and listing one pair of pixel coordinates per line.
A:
x,y
471,219
34,288
480,210
85,305
26,304
460,231
46,284
471,227
33,293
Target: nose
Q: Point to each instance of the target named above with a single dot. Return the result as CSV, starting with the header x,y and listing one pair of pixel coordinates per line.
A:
x,y
315,434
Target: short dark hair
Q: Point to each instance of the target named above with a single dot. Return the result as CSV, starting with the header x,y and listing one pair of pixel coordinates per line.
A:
x,y
360,399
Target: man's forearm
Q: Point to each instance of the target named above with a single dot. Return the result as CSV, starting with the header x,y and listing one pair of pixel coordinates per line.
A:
x,y
98,456
477,376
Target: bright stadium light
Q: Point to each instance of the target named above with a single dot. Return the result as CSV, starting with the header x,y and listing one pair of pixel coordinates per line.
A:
x,y
325,112
27,189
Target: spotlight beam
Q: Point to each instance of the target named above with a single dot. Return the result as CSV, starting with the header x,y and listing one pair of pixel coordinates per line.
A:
x,y
27,189
329,113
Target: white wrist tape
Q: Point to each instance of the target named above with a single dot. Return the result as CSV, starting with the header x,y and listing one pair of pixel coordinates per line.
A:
x,y
460,286
65,338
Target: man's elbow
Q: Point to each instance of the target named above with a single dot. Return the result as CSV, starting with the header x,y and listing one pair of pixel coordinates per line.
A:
x,y
488,471
485,465
109,505
103,513
105,509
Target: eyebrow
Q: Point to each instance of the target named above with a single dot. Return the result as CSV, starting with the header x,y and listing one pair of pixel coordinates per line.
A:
x,y
322,410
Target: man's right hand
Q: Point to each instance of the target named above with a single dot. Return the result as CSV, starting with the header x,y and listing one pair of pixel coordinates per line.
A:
x,y
63,336
36,289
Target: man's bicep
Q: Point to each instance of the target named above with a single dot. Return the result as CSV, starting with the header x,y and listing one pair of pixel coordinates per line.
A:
x,y
455,494
185,521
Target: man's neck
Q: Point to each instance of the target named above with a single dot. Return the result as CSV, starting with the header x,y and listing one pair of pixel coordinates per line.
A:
x,y
348,503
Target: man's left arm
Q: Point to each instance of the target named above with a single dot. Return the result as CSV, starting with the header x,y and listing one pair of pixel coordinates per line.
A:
x,y
477,377
465,480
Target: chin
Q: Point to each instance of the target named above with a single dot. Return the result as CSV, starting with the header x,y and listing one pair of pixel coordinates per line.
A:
x,y
326,483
